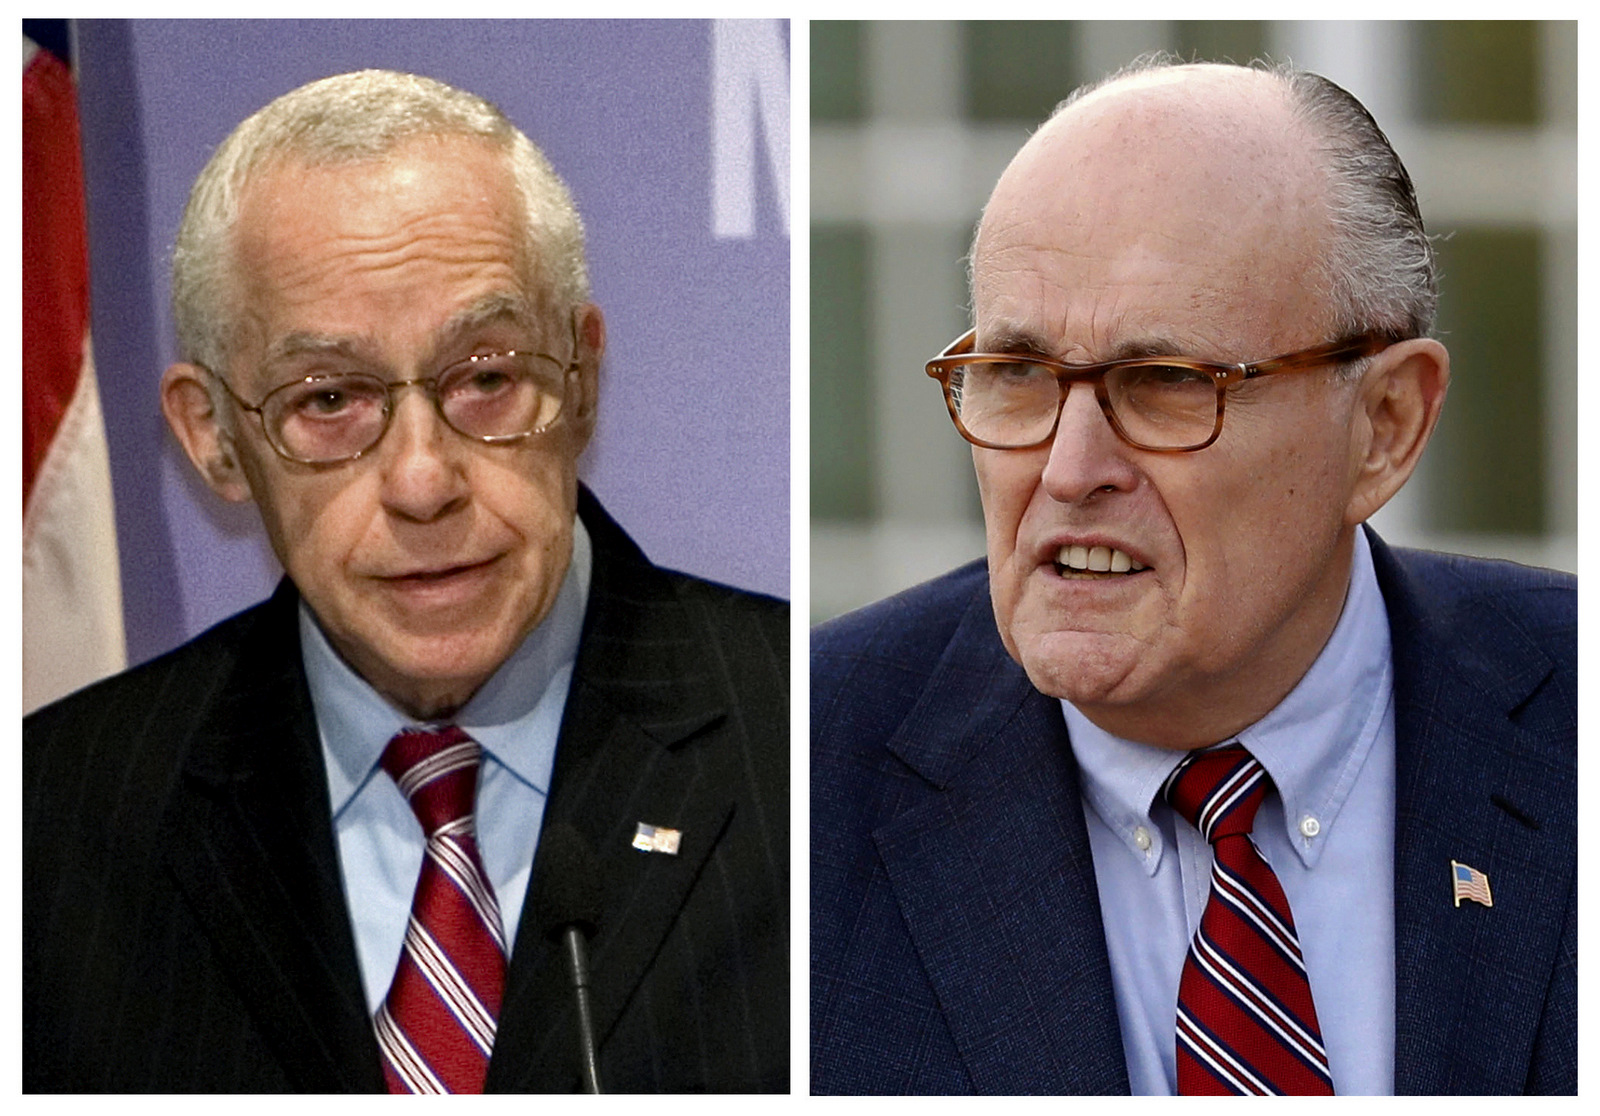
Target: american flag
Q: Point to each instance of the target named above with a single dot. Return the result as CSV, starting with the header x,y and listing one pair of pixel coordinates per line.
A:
x,y
1470,884
71,582
657,838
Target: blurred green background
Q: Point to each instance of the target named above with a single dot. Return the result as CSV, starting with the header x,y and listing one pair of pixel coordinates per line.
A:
x,y
912,122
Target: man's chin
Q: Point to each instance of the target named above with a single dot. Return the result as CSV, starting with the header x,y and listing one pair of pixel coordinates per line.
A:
x,y
432,698
1082,667
432,677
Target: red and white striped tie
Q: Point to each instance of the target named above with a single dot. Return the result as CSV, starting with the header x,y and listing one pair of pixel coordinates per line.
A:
x,y
436,1026
1246,1023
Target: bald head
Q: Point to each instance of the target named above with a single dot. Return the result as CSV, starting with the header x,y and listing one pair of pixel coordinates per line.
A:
x,y
1181,200
1192,105
1235,151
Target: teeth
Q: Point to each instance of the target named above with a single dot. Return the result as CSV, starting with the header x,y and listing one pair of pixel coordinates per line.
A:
x,y
1097,559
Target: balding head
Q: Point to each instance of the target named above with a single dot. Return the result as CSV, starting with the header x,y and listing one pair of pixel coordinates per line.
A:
x,y
1200,166
1376,269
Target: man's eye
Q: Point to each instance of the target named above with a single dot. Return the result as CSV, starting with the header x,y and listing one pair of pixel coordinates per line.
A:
x,y
483,378
1017,370
1007,373
1157,376
333,399
328,401
487,381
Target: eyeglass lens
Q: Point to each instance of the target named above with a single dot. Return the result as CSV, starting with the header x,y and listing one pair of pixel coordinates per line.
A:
x,y
331,418
1014,403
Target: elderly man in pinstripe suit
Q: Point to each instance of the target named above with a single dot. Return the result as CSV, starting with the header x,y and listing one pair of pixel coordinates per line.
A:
x,y
388,346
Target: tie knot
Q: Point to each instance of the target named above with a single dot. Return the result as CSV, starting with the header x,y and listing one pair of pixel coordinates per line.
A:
x,y
437,772
1217,791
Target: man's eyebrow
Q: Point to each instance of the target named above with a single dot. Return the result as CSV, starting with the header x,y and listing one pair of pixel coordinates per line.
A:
x,y
303,343
1135,348
1024,342
493,307
1013,341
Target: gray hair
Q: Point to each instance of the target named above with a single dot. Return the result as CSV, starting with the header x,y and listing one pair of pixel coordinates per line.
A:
x,y
1381,266
1380,272
351,118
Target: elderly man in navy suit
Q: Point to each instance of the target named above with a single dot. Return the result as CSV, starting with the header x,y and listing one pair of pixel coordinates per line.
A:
x,y
1196,786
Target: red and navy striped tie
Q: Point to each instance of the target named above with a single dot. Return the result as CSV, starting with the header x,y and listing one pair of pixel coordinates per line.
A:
x,y
436,1026
1246,1023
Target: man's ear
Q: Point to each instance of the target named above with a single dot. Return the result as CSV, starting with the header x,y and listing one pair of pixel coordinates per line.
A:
x,y
187,404
1400,397
590,339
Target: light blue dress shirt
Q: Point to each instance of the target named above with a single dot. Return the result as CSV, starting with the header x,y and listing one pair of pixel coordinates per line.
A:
x,y
1327,831
515,716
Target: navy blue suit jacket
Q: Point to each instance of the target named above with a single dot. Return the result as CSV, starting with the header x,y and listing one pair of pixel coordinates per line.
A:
x,y
956,937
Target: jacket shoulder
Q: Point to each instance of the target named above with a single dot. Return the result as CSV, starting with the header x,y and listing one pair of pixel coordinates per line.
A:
x,y
903,627
763,615
1478,603
869,667
174,685
1469,577
745,637
97,763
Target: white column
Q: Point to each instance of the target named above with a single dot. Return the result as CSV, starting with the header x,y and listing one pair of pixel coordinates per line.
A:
x,y
916,152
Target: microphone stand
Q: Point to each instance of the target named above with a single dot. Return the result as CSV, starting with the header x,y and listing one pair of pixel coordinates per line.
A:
x,y
578,962
568,901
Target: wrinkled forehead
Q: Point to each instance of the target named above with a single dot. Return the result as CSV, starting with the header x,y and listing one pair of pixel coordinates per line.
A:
x,y
417,179
1192,168
421,243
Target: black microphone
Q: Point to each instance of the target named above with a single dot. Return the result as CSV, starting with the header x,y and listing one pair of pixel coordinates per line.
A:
x,y
568,906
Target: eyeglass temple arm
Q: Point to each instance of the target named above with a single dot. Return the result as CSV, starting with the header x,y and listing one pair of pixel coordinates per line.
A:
x,y
1339,352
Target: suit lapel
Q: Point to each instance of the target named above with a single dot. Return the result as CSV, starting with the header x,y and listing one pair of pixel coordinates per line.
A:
x,y
640,689
995,880
1469,980
253,850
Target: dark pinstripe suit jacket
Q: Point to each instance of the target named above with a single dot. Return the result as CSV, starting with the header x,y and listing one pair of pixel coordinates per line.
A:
x,y
184,926
956,936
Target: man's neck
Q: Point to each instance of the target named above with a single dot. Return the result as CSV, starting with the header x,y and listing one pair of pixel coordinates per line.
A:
x,y
1205,709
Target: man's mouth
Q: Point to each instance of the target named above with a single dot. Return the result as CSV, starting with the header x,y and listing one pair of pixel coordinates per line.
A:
x,y
1072,560
438,575
423,577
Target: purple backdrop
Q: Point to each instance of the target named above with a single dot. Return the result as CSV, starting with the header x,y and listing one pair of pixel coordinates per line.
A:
x,y
692,451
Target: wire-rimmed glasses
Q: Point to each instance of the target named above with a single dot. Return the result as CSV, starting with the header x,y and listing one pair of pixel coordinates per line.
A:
x,y
494,398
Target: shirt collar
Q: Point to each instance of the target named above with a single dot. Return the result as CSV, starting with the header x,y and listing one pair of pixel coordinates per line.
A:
x,y
1313,743
515,716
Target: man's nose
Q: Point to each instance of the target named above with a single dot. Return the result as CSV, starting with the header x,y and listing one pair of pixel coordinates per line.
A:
x,y
1086,454
423,460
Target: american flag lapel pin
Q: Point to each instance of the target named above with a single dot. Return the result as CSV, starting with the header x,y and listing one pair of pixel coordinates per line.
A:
x,y
656,838
1470,884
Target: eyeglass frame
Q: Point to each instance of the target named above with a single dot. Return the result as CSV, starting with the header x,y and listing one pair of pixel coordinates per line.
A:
x,y
430,384
1222,374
